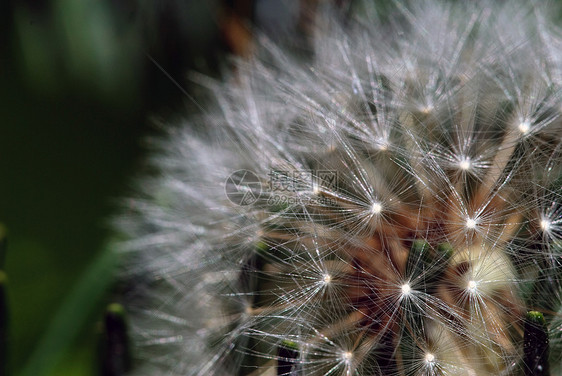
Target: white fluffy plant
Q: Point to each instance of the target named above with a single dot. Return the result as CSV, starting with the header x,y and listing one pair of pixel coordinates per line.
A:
x,y
391,207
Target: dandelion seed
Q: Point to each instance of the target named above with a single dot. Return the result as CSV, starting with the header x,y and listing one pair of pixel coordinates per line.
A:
x,y
524,126
406,289
427,109
465,163
316,189
429,358
471,223
545,225
471,286
376,208
382,143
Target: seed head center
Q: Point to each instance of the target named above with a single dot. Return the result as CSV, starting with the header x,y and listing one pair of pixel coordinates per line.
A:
x,y
406,289
427,109
381,143
315,189
471,223
524,126
465,164
376,208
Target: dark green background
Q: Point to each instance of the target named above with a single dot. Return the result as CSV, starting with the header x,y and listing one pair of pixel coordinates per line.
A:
x,y
78,94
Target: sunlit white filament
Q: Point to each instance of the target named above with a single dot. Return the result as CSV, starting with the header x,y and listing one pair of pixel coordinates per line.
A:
x,y
315,189
465,163
524,126
406,289
381,143
376,208
427,109
429,358
545,225
470,223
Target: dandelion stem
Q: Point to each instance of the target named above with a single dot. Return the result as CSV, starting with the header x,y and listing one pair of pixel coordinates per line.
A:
x,y
288,354
115,357
417,267
536,345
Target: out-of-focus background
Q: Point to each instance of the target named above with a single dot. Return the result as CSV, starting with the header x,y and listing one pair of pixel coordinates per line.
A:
x,y
82,84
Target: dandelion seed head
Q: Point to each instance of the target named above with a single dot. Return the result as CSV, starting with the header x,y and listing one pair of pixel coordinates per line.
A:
x,y
394,215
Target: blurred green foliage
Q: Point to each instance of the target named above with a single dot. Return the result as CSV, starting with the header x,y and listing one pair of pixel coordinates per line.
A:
x,y
77,91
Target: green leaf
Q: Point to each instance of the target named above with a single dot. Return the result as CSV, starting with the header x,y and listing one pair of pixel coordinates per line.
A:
x,y
71,316
3,324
